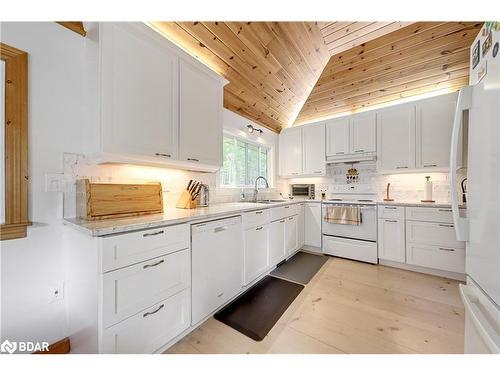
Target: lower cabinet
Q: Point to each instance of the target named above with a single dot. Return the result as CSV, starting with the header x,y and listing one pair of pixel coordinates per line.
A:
x,y
256,252
151,328
300,224
277,242
291,235
391,240
312,224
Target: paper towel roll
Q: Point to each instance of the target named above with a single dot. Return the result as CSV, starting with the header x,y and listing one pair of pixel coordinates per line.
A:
x,y
428,190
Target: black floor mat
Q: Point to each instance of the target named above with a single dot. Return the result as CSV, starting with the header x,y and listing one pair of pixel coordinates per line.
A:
x,y
300,268
256,311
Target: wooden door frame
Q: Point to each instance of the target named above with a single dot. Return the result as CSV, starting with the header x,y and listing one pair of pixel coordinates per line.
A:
x,y
16,143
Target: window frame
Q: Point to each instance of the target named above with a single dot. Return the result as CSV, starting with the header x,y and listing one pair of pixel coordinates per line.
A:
x,y
260,147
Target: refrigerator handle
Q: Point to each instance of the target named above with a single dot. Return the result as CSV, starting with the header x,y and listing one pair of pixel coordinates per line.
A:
x,y
463,103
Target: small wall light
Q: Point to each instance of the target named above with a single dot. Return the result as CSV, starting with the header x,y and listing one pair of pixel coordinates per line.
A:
x,y
251,129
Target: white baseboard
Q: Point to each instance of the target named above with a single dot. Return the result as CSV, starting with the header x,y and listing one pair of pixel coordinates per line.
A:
x,y
430,271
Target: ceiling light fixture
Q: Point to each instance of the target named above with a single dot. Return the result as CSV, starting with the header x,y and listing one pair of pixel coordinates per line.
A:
x,y
251,129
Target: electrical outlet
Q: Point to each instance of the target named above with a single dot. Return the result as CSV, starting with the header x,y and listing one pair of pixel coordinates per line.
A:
x,y
54,182
56,293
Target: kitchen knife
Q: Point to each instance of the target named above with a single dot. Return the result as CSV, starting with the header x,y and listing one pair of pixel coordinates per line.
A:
x,y
197,192
193,188
189,184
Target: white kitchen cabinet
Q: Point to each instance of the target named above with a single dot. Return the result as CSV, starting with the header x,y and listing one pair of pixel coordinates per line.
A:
x,y
391,240
433,131
396,138
217,265
312,224
337,137
200,116
277,242
290,152
300,224
313,150
139,85
256,252
363,133
291,235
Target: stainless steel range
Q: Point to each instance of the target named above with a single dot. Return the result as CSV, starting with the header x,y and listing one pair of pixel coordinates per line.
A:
x,y
351,239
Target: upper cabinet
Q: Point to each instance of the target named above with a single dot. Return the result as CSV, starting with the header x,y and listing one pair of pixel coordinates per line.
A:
x,y
433,133
396,138
351,138
200,101
302,151
139,93
159,106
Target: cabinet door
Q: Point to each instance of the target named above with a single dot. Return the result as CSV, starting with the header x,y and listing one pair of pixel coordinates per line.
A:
x,y
337,137
256,254
396,138
277,242
391,240
291,238
313,141
312,224
139,86
291,152
200,116
300,225
434,126
363,133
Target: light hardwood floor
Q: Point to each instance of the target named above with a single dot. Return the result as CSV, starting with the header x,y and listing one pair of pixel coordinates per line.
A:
x,y
352,307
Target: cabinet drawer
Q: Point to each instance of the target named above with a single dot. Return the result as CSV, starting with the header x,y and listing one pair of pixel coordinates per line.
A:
x,y
365,251
284,211
150,329
437,257
125,249
437,215
391,212
255,218
134,288
437,234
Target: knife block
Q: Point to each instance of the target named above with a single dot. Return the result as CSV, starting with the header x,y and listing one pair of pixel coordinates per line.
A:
x,y
186,202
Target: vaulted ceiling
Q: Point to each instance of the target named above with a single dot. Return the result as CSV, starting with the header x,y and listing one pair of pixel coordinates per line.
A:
x,y
271,66
284,73
416,59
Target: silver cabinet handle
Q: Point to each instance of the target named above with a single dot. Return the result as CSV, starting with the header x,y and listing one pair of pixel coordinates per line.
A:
x,y
220,229
258,212
193,159
445,249
282,221
359,151
220,295
295,173
389,208
318,171
162,154
154,264
446,225
287,206
444,210
259,228
339,153
153,312
153,234
402,167
391,221
290,218
429,165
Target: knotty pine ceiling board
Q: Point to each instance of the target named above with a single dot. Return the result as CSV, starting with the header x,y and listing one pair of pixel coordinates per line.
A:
x,y
413,60
271,66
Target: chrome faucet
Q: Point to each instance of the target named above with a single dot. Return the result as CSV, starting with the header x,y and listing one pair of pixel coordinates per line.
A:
x,y
256,190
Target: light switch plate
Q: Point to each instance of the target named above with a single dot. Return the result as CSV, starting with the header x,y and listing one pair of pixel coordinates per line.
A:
x,y
54,182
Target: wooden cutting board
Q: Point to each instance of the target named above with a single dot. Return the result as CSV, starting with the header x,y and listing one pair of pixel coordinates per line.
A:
x,y
105,201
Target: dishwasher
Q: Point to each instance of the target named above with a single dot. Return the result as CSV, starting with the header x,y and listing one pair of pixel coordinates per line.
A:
x,y
217,265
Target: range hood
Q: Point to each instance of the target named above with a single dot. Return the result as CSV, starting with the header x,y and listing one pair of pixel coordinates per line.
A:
x,y
351,158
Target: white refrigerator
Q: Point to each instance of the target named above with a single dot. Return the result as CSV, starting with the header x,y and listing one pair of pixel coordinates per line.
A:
x,y
478,106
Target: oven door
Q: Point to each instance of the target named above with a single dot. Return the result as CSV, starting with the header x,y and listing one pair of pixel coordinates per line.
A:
x,y
367,230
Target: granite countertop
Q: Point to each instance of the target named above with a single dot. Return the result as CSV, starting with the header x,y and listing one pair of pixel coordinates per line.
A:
x,y
170,216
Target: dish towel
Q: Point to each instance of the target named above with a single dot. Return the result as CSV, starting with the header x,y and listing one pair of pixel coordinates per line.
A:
x,y
343,215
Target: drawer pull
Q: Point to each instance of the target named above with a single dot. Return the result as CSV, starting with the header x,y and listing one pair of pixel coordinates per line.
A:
x,y
258,212
287,206
153,312
193,159
290,218
446,225
339,153
429,165
163,154
389,208
318,172
446,249
220,229
154,264
282,221
444,210
220,295
402,167
153,233
391,221
359,151
259,228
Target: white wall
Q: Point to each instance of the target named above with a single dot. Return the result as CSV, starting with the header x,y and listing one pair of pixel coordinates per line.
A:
x,y
58,116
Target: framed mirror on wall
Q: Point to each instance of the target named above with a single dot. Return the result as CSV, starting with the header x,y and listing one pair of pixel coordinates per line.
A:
x,y
14,177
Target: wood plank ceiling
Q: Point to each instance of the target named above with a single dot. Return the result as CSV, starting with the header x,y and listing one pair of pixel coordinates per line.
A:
x,y
416,59
271,66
